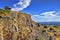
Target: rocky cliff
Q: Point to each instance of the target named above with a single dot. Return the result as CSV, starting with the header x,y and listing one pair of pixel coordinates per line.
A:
x,y
19,26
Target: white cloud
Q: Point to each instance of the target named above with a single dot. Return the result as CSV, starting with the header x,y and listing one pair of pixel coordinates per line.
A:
x,y
21,5
48,14
51,16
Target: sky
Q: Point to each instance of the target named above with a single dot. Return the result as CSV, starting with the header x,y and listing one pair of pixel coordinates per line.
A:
x,y
40,10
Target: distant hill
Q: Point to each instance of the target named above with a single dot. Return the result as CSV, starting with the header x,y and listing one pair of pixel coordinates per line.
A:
x,y
50,23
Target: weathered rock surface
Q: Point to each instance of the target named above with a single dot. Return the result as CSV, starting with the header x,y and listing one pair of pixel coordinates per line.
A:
x,y
19,26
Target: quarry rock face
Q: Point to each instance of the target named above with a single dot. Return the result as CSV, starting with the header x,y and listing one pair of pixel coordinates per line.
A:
x,y
19,26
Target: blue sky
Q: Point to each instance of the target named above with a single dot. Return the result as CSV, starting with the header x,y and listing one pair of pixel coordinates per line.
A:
x,y
40,10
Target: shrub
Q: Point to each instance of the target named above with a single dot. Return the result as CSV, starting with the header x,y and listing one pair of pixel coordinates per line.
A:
x,y
43,30
7,8
51,29
45,26
0,16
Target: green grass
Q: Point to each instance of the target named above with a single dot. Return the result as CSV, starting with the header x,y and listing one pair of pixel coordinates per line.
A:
x,y
41,38
4,11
